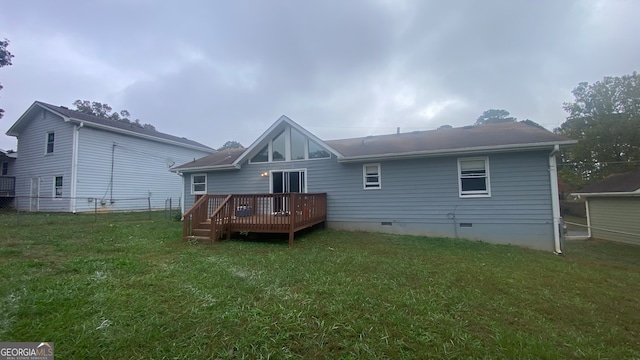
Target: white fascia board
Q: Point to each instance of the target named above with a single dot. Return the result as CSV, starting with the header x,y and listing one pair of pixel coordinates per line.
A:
x,y
459,151
276,126
144,136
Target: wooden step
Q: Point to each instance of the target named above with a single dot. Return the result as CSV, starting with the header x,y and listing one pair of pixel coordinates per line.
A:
x,y
197,238
202,232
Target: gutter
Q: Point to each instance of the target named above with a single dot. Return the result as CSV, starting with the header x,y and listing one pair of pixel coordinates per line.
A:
x,y
206,168
555,199
459,151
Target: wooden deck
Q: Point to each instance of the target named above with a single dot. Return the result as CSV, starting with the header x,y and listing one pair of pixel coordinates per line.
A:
x,y
214,216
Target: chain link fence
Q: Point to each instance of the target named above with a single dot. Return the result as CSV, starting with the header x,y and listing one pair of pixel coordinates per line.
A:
x,y
89,209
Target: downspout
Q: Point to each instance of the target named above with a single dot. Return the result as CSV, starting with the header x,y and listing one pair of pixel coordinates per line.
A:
x,y
74,167
181,195
586,205
555,199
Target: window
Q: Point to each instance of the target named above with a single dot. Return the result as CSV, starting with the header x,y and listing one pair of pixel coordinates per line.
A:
x,y
199,183
371,176
50,140
5,169
317,152
474,177
279,148
262,156
297,145
57,187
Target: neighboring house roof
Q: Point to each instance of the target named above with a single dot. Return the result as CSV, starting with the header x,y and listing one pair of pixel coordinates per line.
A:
x,y
9,154
464,140
105,124
616,185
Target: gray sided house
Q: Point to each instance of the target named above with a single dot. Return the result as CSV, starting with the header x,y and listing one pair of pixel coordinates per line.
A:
x,y
66,159
613,208
495,183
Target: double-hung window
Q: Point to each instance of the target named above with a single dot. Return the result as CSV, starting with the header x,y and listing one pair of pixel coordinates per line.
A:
x,y
57,187
50,141
371,176
199,184
473,177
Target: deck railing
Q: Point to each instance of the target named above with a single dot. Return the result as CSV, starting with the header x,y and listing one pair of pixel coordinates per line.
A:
x,y
200,212
7,185
266,213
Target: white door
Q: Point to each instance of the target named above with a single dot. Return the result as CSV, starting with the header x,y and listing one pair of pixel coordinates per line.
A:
x,y
34,202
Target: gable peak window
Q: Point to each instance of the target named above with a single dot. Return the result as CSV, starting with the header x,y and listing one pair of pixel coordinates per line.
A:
x,y
290,145
473,177
371,176
50,141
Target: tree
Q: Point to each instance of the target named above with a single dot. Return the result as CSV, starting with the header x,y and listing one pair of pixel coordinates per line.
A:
x,y
494,116
5,60
442,127
533,123
104,111
605,119
232,144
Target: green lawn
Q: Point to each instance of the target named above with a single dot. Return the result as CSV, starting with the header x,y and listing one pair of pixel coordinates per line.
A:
x,y
130,288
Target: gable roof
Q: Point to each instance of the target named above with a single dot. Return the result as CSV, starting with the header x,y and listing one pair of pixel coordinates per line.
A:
x,y
464,140
616,184
234,159
105,124
509,136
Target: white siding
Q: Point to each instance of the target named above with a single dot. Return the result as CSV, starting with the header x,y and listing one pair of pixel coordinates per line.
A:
x,y
139,168
33,163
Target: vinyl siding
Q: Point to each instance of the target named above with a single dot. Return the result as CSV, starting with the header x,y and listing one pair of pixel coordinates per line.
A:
x,y
619,214
140,170
32,162
420,196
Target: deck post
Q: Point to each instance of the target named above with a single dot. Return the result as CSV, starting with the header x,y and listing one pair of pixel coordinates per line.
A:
x,y
292,216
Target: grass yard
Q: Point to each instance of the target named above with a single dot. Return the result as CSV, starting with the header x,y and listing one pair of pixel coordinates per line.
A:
x,y
124,288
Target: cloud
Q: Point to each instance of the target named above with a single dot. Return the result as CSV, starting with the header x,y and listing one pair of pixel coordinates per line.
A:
x,y
215,71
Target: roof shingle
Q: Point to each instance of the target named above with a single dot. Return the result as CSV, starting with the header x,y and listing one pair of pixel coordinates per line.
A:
x,y
626,182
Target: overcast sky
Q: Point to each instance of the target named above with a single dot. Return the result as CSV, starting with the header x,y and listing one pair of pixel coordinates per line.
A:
x,y
214,71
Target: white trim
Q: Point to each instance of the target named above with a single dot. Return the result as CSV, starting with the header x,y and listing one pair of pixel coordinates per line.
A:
x,y
304,170
459,151
181,196
206,180
364,177
276,126
475,193
74,166
46,143
609,194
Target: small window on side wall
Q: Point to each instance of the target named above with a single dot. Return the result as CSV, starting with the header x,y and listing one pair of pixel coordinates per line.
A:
x,y
57,187
473,177
50,141
371,176
199,184
5,169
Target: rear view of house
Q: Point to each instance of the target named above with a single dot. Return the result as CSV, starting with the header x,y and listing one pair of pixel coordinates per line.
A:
x,y
496,183
72,162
